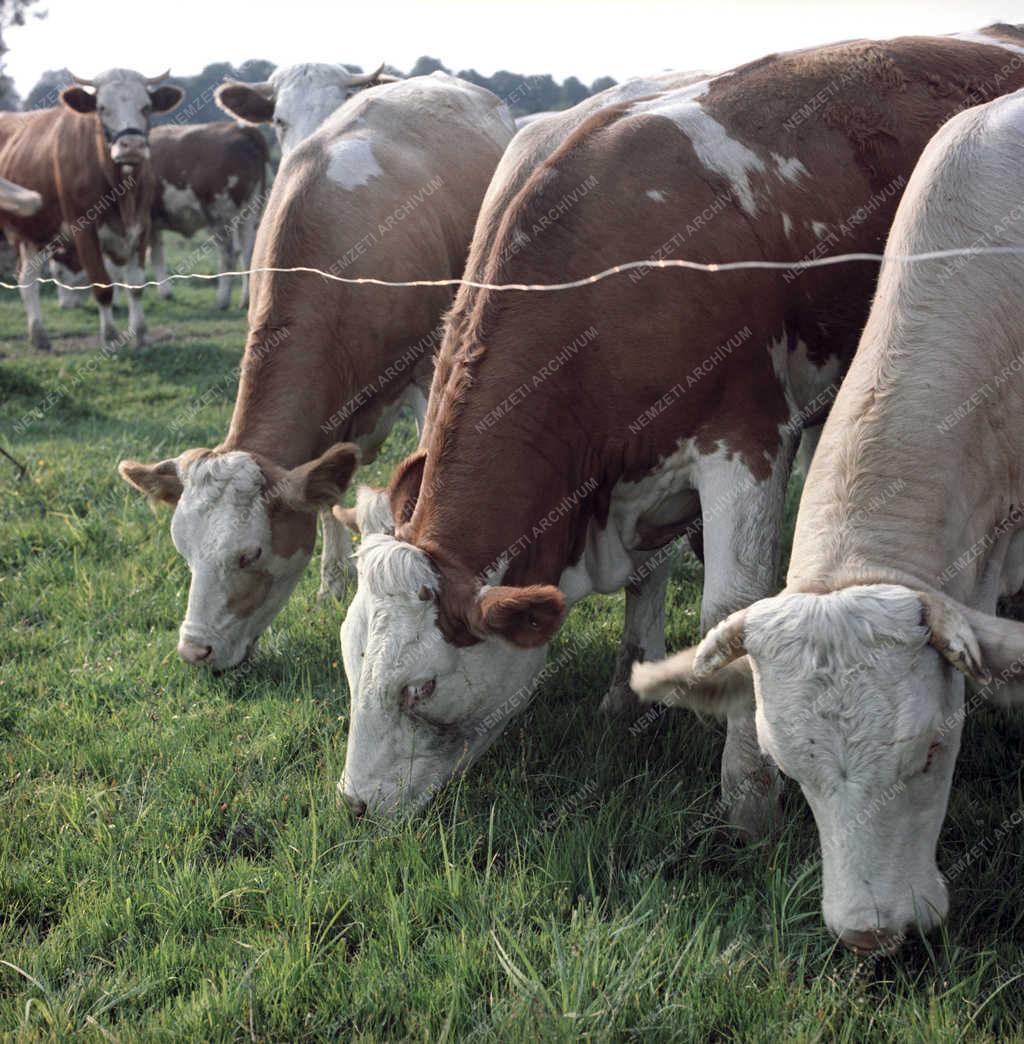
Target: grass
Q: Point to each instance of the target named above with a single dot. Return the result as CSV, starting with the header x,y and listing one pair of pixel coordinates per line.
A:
x,y
173,864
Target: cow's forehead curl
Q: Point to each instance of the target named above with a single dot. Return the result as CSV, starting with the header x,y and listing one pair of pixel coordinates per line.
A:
x,y
390,567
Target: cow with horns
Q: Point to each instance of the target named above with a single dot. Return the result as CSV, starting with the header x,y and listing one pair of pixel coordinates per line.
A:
x,y
89,160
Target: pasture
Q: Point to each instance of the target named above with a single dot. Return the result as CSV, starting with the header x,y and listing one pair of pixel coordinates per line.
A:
x,y
173,863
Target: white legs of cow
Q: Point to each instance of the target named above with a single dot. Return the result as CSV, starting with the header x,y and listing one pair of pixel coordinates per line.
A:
x,y
135,274
159,261
226,251
245,241
742,524
643,632
337,566
30,268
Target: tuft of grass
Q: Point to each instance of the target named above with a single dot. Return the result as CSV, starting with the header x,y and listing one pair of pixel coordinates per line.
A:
x,y
173,864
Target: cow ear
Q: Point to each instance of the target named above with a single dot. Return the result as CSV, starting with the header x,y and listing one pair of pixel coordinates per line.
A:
x,y
404,487
676,683
711,678
372,513
160,482
79,99
525,616
166,98
249,102
321,482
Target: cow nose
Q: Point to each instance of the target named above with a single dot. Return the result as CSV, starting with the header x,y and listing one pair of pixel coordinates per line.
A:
x,y
355,805
194,654
871,941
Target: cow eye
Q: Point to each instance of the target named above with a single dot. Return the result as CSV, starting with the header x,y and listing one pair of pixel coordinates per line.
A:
x,y
413,695
247,560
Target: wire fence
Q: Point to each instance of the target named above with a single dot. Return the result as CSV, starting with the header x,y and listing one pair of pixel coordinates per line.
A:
x,y
713,267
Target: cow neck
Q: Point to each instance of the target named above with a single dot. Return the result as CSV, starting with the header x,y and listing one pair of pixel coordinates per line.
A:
x,y
895,499
505,483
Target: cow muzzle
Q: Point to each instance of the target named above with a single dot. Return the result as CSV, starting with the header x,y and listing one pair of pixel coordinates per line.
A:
x,y
129,145
872,942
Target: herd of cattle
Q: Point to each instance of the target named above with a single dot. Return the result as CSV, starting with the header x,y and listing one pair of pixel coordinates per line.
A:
x,y
569,440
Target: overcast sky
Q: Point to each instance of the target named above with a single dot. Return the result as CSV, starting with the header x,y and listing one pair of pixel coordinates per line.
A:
x,y
586,38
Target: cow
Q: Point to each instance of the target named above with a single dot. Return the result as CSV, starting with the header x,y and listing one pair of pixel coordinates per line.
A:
x,y
88,158
909,530
572,435
297,98
213,176
389,187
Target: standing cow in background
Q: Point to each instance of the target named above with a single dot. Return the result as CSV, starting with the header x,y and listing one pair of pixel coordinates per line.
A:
x,y
296,99
89,160
214,176
389,187
572,436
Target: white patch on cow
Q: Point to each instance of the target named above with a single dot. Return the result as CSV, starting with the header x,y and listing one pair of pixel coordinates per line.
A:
x,y
789,168
802,380
981,38
714,147
183,208
787,224
657,195
819,228
222,210
119,246
223,514
352,162
851,700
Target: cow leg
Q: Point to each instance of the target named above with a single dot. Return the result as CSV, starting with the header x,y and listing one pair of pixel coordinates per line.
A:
x,y
643,634
29,269
156,253
246,241
742,525
337,567
66,298
226,245
136,274
87,246
808,446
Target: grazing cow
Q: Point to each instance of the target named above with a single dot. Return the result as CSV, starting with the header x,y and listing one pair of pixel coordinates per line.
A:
x,y
296,99
909,529
572,435
89,160
215,176
389,187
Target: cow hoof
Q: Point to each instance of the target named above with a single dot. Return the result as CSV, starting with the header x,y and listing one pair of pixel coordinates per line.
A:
x,y
333,592
620,702
37,335
166,293
223,303
139,337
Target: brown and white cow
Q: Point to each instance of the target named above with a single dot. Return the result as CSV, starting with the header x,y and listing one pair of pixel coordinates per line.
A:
x,y
89,160
910,528
389,187
213,176
297,98
571,434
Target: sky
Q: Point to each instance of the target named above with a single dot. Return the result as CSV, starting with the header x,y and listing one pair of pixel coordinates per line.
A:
x,y
584,38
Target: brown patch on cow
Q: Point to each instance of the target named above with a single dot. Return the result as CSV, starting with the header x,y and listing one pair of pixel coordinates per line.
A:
x,y
252,588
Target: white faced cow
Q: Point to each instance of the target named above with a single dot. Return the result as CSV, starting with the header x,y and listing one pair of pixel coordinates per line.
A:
x,y
910,528
388,188
296,98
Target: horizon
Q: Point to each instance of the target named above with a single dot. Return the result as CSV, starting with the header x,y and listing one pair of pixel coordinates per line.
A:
x,y
529,37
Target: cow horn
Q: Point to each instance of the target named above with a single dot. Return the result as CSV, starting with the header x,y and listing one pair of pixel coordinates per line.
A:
x,y
158,79
356,81
81,80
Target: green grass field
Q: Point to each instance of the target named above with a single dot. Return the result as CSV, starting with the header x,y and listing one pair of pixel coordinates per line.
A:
x,y
173,864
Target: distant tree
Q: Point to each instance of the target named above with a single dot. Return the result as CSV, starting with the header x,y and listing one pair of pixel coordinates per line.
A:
x,y
12,12
602,83
255,70
46,93
573,92
425,65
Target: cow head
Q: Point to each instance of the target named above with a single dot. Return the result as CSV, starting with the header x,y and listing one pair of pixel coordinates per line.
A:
x,y
437,663
124,101
859,698
296,99
246,529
